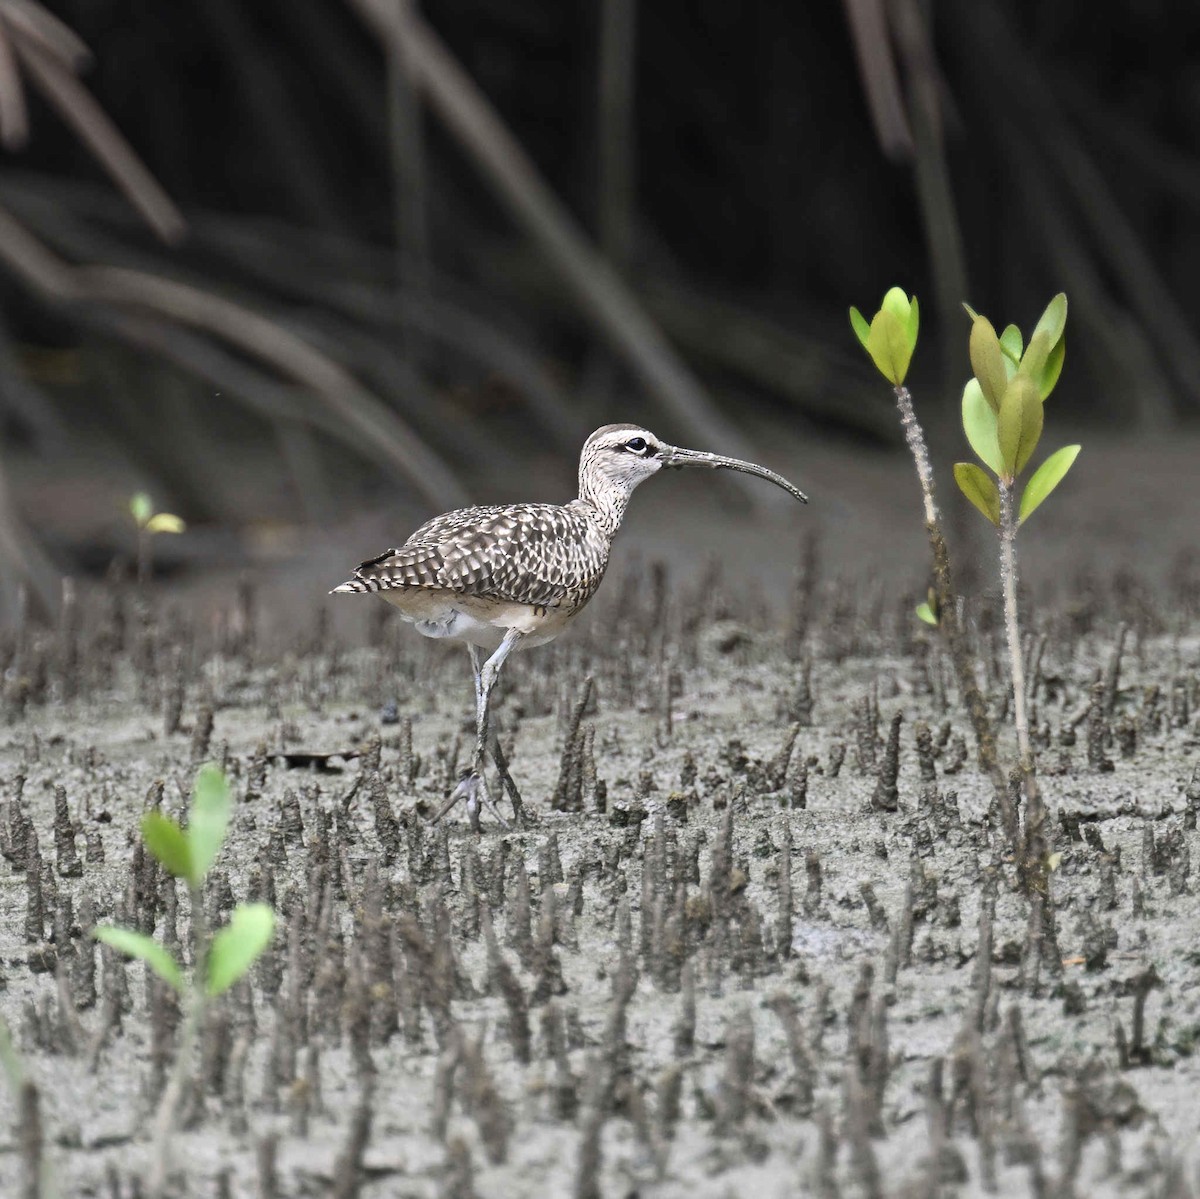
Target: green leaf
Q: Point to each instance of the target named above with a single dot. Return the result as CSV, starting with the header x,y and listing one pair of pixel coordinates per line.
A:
x,y
914,323
1019,424
926,613
897,302
987,361
1053,321
1012,344
208,820
238,945
165,522
1046,478
888,346
970,311
1033,415
1042,361
1033,361
858,323
168,843
1052,369
979,488
138,945
979,424
141,508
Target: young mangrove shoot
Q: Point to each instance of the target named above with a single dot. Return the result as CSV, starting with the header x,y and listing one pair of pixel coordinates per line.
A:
x,y
148,523
890,338
218,960
1003,414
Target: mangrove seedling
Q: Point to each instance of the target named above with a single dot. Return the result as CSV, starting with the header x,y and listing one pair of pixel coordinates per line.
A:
x,y
37,1178
218,960
890,338
1003,415
148,523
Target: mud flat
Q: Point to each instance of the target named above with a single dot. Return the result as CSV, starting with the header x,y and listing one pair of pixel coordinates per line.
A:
x,y
763,934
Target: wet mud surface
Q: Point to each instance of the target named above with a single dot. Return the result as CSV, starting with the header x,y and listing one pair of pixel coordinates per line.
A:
x,y
765,933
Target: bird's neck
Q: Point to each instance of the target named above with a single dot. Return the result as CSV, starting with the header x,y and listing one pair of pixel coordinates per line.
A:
x,y
607,504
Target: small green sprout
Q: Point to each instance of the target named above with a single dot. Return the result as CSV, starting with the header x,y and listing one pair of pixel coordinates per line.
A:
x,y
219,961
188,854
148,523
928,609
891,337
141,508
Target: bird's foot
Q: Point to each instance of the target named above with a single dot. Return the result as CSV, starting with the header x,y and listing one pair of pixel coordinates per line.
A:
x,y
472,790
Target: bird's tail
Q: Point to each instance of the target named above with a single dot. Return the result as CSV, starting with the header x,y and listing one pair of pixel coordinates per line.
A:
x,y
356,587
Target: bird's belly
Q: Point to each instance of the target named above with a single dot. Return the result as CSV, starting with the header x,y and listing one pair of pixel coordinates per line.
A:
x,y
476,620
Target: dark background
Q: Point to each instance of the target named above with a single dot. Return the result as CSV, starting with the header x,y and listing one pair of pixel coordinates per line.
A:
x,y
747,170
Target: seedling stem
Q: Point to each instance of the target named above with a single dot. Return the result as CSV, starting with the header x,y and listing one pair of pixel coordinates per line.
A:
x,y
1012,629
193,1018
943,578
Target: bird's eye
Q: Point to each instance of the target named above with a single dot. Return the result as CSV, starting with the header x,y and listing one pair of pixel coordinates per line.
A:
x,y
636,444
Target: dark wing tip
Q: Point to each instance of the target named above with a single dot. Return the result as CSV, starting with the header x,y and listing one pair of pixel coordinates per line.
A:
x,y
374,561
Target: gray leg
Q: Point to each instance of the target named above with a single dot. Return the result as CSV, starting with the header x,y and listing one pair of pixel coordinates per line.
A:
x,y
487,680
497,754
473,788
473,650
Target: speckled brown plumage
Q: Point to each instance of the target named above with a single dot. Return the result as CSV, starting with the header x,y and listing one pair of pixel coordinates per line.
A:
x,y
544,555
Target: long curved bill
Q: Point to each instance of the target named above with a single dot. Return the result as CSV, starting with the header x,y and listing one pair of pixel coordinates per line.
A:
x,y
676,458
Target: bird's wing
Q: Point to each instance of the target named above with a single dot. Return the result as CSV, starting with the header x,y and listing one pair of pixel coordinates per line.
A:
x,y
521,553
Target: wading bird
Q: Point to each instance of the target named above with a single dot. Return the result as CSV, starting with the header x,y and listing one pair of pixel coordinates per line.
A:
x,y
512,576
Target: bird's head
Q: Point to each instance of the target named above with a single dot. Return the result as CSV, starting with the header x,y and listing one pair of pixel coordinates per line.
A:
x,y
616,458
